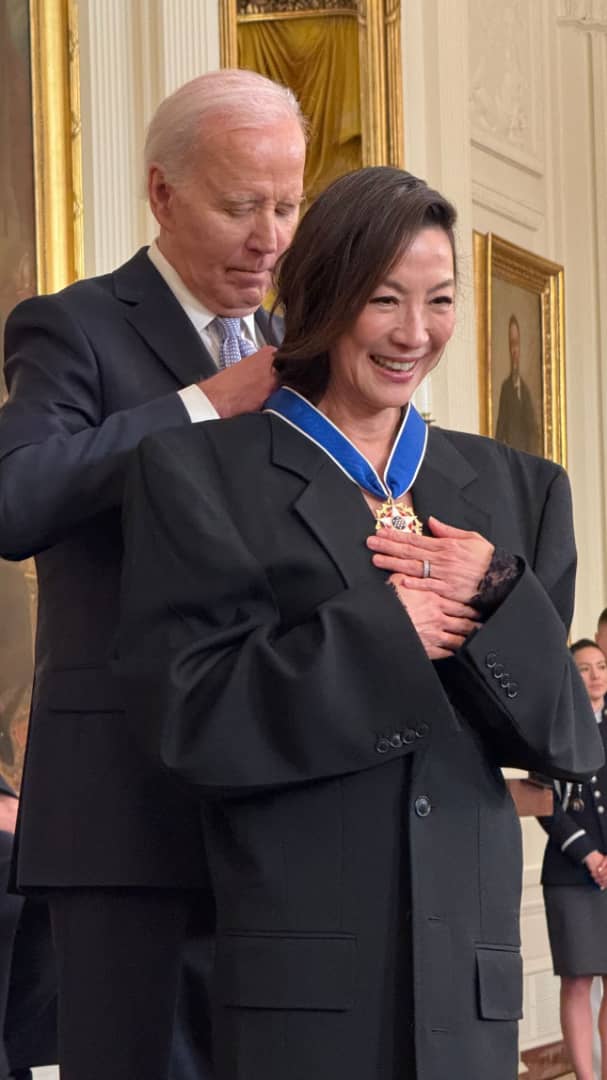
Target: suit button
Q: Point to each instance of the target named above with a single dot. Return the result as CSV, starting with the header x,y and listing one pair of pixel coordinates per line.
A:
x,y
423,806
491,660
601,809
498,671
593,779
382,745
395,741
422,730
512,690
408,736
597,794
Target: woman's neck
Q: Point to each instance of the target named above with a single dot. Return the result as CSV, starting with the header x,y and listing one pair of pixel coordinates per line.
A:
x,y
372,432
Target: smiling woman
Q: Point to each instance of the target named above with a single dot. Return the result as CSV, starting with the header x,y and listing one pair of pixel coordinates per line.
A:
x,y
340,714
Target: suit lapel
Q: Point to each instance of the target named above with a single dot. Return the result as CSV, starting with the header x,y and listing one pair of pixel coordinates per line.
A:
x,y
331,506
159,319
272,329
447,487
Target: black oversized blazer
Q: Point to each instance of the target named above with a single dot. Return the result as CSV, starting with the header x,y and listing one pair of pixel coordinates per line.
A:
x,y
274,671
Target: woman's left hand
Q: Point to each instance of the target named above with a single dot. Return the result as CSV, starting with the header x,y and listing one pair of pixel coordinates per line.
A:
x,y
457,560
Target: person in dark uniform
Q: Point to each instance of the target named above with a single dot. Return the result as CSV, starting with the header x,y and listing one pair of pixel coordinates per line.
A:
x,y
574,877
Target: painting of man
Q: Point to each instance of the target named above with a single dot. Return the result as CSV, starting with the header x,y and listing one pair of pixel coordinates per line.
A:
x,y
516,420
516,367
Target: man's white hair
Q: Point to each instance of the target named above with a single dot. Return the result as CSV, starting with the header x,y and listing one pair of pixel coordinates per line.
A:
x,y
179,121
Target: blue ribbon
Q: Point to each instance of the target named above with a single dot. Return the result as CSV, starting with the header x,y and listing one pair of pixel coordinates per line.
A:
x,y
403,464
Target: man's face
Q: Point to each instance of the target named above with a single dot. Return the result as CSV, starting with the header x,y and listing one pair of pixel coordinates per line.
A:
x,y
514,341
224,225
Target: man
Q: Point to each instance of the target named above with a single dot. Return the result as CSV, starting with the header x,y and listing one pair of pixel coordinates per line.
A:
x,y
516,423
90,371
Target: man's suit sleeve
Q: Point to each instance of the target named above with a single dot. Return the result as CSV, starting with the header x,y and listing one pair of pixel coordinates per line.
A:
x,y
233,701
515,679
61,459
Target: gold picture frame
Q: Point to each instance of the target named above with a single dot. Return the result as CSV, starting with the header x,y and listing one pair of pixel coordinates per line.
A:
x,y
57,142
521,347
41,246
379,58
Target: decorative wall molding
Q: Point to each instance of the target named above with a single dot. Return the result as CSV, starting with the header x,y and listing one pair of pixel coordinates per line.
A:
x,y
583,14
506,81
510,209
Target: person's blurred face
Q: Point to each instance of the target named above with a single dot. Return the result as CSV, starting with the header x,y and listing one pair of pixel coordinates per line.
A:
x,y
225,224
592,666
400,334
514,341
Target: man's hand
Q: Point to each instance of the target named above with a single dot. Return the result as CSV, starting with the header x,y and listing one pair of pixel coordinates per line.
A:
x,y
442,624
8,813
243,387
458,560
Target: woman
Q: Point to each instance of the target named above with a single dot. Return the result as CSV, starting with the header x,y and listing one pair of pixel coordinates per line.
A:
x,y
342,727
576,855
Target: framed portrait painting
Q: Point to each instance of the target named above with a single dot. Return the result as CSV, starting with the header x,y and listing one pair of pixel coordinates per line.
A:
x,y
521,358
40,251
342,58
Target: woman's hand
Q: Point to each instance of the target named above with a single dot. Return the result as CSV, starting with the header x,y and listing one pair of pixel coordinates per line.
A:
x,y
442,624
596,864
457,560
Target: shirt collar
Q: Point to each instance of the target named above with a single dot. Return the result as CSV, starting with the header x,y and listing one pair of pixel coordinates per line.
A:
x,y
196,312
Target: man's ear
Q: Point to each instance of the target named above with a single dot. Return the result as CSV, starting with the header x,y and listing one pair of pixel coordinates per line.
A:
x,y
160,195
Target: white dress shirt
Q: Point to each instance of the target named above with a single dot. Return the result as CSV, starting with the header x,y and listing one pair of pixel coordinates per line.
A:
x,y
196,402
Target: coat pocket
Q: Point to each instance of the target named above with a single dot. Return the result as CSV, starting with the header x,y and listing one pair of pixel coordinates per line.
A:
x,y
286,971
500,982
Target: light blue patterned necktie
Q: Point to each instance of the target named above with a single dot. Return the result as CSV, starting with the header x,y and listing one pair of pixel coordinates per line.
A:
x,y
233,345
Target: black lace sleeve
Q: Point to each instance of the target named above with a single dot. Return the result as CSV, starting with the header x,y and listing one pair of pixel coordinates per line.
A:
x,y
502,574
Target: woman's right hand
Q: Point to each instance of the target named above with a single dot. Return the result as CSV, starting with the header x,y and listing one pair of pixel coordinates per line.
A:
x,y
596,864
442,625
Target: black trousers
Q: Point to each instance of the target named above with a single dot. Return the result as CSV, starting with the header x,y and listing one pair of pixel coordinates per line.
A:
x,y
133,968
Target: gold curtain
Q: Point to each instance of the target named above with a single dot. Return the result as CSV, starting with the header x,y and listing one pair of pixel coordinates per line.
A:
x,y
317,57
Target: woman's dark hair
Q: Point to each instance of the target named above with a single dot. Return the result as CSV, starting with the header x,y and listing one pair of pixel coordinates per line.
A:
x,y
583,643
344,247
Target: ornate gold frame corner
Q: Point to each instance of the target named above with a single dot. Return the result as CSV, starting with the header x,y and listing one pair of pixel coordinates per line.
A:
x,y
381,88
498,258
57,142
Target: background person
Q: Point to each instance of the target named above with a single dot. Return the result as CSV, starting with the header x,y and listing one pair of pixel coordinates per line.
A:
x,y
574,876
343,730
112,841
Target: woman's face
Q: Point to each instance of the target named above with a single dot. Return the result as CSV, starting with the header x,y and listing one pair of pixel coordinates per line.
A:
x,y
399,335
592,666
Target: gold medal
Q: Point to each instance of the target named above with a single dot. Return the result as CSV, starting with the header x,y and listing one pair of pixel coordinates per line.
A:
x,y
395,515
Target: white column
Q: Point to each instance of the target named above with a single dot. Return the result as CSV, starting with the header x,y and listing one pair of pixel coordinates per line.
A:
x,y
437,147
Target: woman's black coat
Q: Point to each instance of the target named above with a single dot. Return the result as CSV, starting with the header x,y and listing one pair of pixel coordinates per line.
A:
x,y
355,814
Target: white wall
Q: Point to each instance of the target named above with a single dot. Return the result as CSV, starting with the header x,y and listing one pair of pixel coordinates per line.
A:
x,y
505,111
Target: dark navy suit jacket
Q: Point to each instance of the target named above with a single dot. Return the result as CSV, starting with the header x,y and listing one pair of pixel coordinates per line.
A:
x,y
90,371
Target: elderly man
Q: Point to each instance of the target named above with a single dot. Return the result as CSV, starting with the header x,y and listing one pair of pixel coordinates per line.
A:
x,y
109,839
